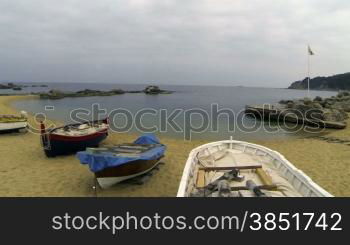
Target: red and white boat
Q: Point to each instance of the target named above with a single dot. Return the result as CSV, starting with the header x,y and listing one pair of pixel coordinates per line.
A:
x,y
72,138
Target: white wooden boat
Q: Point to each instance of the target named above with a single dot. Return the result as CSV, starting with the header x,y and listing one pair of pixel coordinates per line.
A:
x,y
233,168
13,123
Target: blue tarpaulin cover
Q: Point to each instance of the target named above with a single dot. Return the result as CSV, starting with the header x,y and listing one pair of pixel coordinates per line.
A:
x,y
100,161
147,139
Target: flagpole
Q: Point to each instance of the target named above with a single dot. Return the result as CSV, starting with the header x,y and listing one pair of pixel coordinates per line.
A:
x,y
308,74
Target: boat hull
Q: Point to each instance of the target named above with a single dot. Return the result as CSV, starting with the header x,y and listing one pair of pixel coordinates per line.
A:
x,y
63,145
113,175
12,127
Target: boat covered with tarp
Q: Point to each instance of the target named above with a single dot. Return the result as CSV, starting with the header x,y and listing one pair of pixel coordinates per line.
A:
x,y
113,164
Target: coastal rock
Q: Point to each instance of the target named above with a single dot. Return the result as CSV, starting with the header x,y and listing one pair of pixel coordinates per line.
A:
x,y
318,99
346,107
329,112
334,115
344,95
326,105
345,98
329,101
307,101
152,89
316,105
344,114
10,86
334,108
290,104
310,110
301,107
285,102
42,85
57,94
3,86
118,91
53,94
90,92
14,86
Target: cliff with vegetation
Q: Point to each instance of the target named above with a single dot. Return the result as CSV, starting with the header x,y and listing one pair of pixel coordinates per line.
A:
x,y
336,82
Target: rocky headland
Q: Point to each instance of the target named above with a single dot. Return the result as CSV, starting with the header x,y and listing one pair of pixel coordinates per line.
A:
x,y
335,82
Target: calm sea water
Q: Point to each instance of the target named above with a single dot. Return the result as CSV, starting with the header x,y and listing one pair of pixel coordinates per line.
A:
x,y
185,98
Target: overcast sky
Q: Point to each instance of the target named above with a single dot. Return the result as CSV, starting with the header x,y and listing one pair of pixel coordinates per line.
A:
x,y
207,42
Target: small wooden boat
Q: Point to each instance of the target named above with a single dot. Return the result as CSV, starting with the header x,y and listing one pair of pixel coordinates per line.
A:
x,y
113,164
13,123
233,168
73,137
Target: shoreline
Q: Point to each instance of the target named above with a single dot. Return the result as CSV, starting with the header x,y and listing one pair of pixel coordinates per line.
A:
x,y
25,171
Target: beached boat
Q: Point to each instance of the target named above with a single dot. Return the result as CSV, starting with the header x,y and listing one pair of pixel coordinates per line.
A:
x,y
113,164
13,123
239,169
73,137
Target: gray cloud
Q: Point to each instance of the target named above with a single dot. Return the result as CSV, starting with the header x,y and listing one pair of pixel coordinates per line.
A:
x,y
253,43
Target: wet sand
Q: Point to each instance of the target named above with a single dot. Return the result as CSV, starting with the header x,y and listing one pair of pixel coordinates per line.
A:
x,y
25,170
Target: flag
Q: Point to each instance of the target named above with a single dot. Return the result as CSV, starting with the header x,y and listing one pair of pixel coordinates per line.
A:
x,y
309,50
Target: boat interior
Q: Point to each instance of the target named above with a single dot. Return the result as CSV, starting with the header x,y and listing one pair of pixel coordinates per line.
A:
x,y
79,129
245,170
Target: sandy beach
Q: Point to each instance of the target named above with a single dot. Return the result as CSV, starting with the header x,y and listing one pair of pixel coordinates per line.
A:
x,y
25,170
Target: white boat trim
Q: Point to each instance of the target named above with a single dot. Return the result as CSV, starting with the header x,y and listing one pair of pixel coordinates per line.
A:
x,y
314,189
87,130
12,125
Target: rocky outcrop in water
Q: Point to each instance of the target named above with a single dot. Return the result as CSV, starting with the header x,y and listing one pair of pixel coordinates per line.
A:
x,y
14,86
10,86
155,90
58,94
4,86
